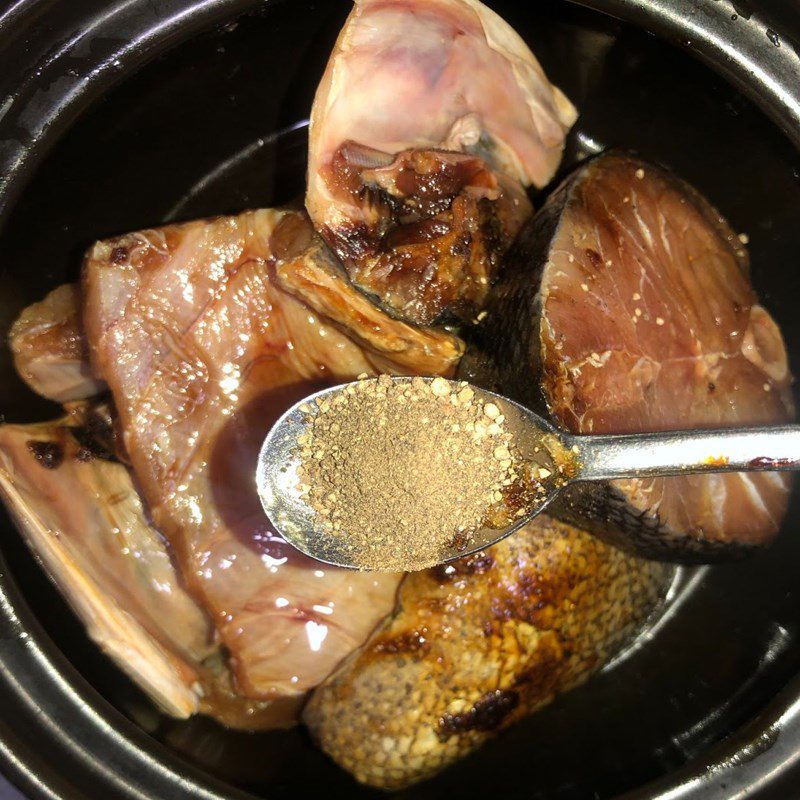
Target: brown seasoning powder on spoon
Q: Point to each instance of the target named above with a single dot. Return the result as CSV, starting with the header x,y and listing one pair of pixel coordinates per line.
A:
x,y
404,472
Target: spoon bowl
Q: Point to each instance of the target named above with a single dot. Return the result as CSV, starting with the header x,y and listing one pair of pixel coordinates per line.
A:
x,y
278,479
568,457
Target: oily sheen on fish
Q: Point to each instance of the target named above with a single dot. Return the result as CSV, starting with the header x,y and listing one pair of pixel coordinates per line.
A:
x,y
475,645
307,269
203,351
626,306
83,518
81,514
50,350
430,119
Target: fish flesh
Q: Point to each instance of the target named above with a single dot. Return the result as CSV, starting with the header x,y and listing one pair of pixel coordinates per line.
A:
x,y
476,645
171,314
83,519
431,118
626,306
81,515
203,350
49,348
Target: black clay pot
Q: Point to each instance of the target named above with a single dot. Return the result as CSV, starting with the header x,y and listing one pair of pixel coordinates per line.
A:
x,y
118,114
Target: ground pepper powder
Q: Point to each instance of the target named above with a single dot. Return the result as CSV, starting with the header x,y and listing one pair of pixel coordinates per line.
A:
x,y
404,472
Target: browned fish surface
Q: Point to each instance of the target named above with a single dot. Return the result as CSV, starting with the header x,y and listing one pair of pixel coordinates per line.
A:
x,y
438,225
314,276
475,646
50,351
431,117
628,302
203,351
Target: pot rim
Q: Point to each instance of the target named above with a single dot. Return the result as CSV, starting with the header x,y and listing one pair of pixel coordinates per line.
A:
x,y
55,725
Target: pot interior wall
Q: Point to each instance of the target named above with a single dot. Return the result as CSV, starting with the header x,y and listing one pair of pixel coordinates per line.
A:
x,y
194,134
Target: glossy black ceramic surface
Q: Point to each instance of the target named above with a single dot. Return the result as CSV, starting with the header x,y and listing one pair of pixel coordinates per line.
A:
x,y
216,122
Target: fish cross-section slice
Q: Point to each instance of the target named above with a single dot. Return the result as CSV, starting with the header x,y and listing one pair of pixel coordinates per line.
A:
x,y
626,305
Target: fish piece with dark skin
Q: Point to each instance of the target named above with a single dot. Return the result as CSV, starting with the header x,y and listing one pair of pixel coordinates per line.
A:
x,y
475,645
431,119
626,306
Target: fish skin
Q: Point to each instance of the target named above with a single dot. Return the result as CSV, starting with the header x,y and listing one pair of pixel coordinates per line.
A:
x,y
677,341
475,646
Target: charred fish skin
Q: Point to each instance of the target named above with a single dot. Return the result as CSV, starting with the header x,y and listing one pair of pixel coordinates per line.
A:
x,y
477,645
625,305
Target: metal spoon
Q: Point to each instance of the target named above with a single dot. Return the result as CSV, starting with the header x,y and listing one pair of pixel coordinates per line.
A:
x,y
591,458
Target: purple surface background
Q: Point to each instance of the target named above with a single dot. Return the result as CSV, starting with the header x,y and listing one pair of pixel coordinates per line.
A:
x,y
7,791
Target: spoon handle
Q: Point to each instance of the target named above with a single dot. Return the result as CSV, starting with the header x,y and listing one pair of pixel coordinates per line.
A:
x,y
681,452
